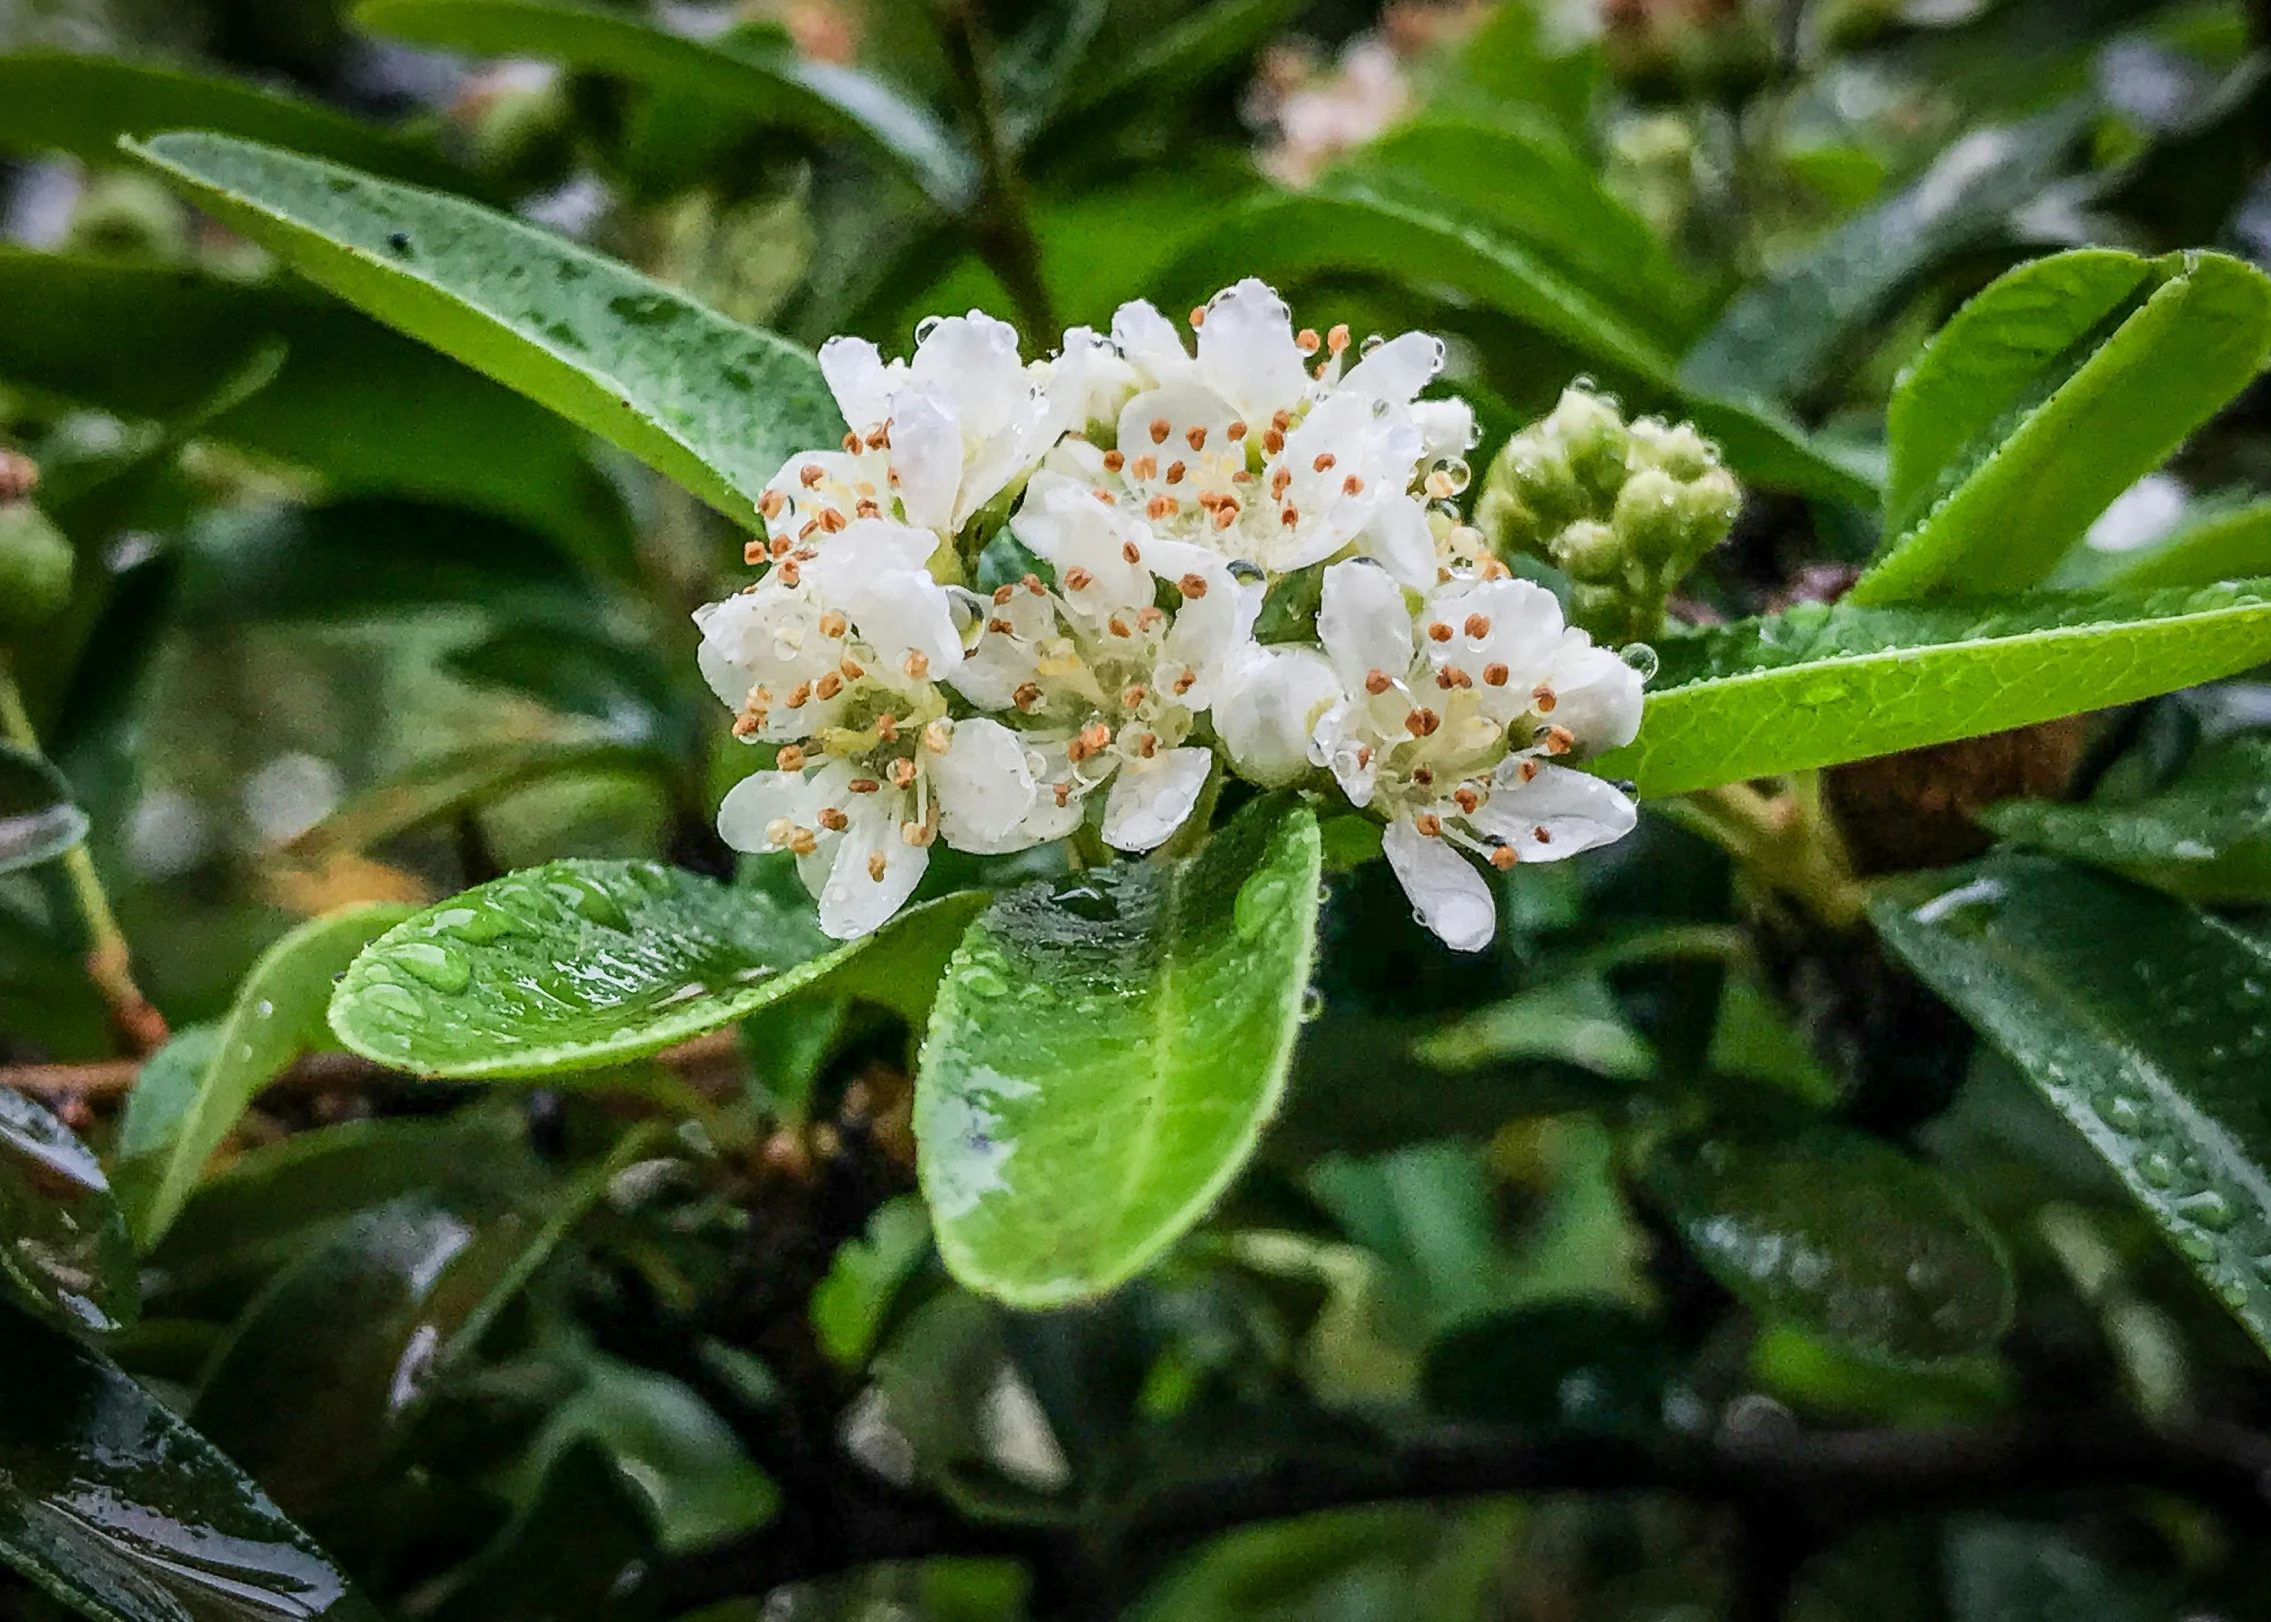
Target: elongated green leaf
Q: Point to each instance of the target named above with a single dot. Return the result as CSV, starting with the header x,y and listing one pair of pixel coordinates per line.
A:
x,y
278,1015
52,101
1163,62
459,780
2144,1022
2206,835
1844,1235
62,1243
123,1513
1821,685
583,963
1359,228
38,822
2219,542
1103,1056
1780,336
366,408
2007,447
716,405
768,80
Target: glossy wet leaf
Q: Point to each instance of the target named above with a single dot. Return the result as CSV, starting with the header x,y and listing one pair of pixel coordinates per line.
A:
x,y
77,103
277,1016
765,78
1104,1054
2047,396
1783,332
38,822
583,963
2205,835
1820,685
714,404
118,1509
1841,1234
570,1553
2145,1022
62,1242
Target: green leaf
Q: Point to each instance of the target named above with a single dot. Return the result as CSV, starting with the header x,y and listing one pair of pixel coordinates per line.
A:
x,y
1575,1021
62,1243
2145,1022
2046,397
1159,63
119,1510
768,80
1844,1236
2217,541
714,404
52,101
1821,685
2206,835
459,780
1785,332
38,822
584,963
1358,228
365,408
1104,1053
277,1016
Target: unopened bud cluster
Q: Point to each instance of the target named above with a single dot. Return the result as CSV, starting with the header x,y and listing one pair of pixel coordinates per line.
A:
x,y
1624,509
35,559
1162,490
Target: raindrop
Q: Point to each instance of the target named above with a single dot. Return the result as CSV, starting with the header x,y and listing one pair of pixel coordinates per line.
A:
x,y
980,981
1456,474
1312,1005
1641,657
386,997
926,326
441,967
2210,1210
476,925
1371,342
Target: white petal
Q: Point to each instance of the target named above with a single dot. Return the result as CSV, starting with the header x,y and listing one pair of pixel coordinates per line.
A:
x,y
1596,696
926,452
1576,810
763,798
1450,897
1247,353
1362,620
853,902
1149,341
1446,427
1398,369
902,612
1342,744
1268,711
972,361
1088,382
1067,526
1397,534
867,547
1523,634
857,377
1150,798
983,785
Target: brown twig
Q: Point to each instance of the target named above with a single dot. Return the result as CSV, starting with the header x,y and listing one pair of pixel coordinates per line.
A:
x,y
1002,219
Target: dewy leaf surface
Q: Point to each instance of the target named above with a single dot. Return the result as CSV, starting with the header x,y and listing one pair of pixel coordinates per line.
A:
x,y
582,963
1103,1056
62,1243
714,404
115,1507
769,81
1820,685
38,822
2063,438
1843,1235
2145,1022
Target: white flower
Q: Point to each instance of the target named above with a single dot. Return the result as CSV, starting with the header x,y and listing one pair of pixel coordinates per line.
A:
x,y
1447,723
1110,683
1246,449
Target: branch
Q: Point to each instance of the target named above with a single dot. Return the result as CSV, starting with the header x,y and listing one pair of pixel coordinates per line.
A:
x,y
1002,220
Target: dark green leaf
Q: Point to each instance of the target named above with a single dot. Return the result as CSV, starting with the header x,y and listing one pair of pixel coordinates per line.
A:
x,y
769,80
119,1510
2206,835
62,1242
278,1015
584,963
1586,1366
82,104
626,686
716,405
2144,1022
1783,333
568,1556
38,822
1207,41
1820,685
1845,1236
2046,397
1104,1054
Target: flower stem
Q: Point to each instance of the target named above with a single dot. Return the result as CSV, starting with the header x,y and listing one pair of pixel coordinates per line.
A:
x,y
1784,840
1002,219
109,962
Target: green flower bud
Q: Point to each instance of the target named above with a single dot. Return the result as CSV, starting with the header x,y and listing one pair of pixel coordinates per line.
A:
x,y
1650,519
130,216
1593,441
1589,550
1676,448
35,567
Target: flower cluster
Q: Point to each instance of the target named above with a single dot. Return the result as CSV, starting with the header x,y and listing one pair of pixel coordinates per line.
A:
x,y
1163,493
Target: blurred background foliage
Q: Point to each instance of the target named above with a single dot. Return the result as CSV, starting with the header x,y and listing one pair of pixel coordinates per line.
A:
x,y
349,623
